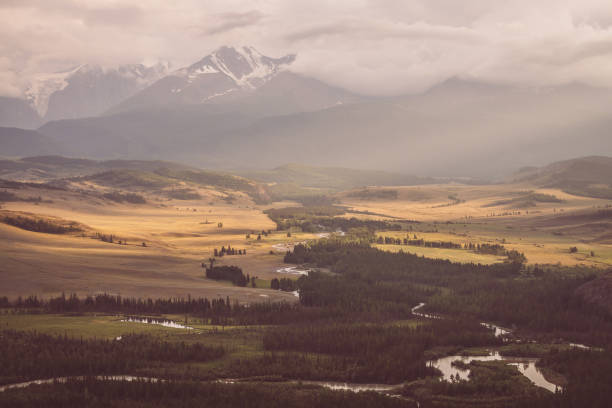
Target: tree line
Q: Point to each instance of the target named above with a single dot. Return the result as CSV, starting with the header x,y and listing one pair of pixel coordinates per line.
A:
x,y
30,355
93,393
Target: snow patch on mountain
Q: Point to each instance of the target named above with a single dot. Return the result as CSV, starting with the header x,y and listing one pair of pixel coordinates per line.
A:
x,y
216,95
42,86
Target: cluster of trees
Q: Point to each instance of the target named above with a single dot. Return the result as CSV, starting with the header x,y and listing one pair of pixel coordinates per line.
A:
x,y
417,242
93,393
111,239
497,249
184,194
263,233
370,194
106,238
492,249
229,273
323,218
39,225
7,196
284,284
31,355
515,256
228,251
131,198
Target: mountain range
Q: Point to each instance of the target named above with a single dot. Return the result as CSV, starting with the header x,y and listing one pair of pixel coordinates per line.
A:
x,y
237,108
86,90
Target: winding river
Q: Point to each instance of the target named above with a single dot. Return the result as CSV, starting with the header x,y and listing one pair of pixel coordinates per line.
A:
x,y
525,365
64,379
160,322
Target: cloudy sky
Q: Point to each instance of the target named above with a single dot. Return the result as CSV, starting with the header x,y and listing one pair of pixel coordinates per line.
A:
x,y
372,47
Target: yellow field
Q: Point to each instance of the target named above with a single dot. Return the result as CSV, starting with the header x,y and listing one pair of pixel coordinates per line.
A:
x,y
432,203
177,238
539,248
540,232
180,235
452,255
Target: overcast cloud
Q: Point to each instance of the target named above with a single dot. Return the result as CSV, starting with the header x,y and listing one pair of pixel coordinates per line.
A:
x,y
372,47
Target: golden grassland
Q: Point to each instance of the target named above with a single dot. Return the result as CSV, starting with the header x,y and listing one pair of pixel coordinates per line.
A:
x,y
430,203
452,255
539,248
179,236
541,232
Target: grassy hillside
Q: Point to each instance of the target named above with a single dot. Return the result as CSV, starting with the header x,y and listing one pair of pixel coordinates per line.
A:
x,y
586,176
332,178
129,178
43,168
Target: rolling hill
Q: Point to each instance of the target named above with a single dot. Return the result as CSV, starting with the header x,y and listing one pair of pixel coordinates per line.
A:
x,y
334,178
588,176
16,142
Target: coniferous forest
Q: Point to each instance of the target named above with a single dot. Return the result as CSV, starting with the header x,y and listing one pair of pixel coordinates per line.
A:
x,y
353,323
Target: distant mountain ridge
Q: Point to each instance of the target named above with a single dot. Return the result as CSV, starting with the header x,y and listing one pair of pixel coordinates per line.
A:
x,y
232,78
85,90
88,90
236,108
51,167
237,78
336,178
458,129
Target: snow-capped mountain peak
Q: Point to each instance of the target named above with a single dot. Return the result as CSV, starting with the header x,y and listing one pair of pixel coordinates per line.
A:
x,y
246,66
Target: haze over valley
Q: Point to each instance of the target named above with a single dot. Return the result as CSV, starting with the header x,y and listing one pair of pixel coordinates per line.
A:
x,y
305,204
